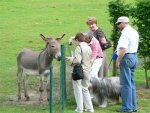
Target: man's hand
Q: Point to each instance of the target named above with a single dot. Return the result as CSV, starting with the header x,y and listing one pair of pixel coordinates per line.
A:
x,y
117,64
122,52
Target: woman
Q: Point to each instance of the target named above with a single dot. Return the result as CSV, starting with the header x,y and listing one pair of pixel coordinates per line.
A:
x,y
100,36
81,92
97,54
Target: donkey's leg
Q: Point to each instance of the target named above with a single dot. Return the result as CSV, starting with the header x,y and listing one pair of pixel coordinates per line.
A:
x,y
41,88
26,87
19,74
48,87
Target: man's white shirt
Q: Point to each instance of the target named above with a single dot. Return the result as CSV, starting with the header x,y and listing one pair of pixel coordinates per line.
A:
x,y
129,39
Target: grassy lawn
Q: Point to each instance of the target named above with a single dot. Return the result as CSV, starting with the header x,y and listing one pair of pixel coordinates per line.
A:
x,y
21,22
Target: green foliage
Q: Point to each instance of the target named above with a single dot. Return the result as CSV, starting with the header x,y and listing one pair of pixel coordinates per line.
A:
x,y
142,19
140,13
117,9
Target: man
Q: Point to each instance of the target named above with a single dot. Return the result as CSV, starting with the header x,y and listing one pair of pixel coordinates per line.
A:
x,y
127,60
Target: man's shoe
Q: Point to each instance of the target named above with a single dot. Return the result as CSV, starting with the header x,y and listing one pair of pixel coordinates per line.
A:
x,y
120,111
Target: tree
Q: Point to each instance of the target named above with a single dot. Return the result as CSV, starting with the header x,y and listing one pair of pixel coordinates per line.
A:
x,y
141,13
116,9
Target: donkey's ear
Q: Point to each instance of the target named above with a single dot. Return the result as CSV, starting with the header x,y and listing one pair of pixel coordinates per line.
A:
x,y
44,38
59,38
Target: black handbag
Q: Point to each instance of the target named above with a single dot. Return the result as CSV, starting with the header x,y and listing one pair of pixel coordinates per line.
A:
x,y
107,45
77,73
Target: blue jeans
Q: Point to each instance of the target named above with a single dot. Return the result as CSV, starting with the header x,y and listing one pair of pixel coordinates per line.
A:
x,y
128,88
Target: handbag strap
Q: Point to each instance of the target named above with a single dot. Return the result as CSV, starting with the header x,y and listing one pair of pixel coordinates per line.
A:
x,y
81,55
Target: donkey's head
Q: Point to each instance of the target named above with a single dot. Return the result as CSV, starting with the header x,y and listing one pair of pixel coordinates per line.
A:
x,y
53,46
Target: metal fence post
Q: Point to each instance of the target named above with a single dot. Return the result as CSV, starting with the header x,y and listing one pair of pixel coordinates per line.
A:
x,y
51,89
63,79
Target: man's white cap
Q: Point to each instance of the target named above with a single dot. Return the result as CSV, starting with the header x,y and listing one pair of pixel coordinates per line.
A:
x,y
122,19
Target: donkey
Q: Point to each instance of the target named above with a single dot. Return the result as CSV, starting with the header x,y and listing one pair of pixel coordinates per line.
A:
x,y
37,63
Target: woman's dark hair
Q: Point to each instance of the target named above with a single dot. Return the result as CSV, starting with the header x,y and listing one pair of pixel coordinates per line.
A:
x,y
80,37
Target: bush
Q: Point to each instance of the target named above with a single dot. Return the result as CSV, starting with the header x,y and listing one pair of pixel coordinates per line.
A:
x,y
116,9
142,20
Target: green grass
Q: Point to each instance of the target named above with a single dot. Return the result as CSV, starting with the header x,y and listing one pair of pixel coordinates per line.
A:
x,y
21,22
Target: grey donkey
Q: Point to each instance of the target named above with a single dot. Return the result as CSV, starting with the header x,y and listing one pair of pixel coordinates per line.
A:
x,y
37,63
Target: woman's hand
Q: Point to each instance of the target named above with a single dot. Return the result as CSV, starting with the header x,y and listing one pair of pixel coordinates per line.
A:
x,y
69,59
70,41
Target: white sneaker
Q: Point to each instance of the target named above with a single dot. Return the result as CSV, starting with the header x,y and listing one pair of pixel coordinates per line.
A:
x,y
89,110
76,110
